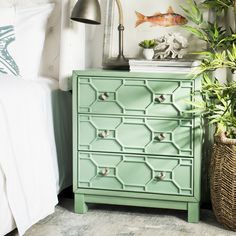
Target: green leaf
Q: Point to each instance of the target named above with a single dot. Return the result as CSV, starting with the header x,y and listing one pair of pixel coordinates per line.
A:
x,y
200,34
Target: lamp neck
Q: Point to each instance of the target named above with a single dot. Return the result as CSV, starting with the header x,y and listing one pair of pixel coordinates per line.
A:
x,y
121,16
121,40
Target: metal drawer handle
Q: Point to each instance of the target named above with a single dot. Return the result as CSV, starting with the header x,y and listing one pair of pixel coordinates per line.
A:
x,y
160,177
160,137
105,172
160,99
104,134
104,96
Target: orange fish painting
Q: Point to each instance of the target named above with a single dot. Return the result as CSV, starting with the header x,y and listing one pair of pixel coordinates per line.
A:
x,y
162,19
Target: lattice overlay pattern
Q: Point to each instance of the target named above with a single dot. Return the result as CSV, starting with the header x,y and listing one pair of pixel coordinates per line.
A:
x,y
136,173
135,97
136,135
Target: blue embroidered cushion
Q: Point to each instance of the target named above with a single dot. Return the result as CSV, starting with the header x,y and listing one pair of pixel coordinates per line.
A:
x,y
7,62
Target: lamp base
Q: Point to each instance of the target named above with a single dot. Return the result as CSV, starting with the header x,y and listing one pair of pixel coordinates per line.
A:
x,y
118,63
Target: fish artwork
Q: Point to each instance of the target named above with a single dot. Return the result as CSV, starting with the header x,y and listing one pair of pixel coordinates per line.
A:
x,y
162,19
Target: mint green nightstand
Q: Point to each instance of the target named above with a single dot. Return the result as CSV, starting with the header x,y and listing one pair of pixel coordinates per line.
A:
x,y
133,142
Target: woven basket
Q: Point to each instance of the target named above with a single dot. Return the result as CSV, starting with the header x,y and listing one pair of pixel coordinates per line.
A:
x,y
223,184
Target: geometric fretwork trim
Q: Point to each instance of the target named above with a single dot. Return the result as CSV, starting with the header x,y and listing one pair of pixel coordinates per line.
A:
x,y
162,175
136,135
143,96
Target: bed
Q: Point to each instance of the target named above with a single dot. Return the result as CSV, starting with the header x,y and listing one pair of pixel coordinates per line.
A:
x,y
35,122
35,153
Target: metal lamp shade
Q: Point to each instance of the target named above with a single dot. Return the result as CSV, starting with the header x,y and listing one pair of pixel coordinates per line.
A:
x,y
87,11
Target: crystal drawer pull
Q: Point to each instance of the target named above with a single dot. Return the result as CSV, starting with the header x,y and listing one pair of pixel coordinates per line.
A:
x,y
160,99
105,172
160,177
104,96
104,134
160,137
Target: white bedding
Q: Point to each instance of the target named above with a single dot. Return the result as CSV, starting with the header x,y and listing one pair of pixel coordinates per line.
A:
x,y
29,171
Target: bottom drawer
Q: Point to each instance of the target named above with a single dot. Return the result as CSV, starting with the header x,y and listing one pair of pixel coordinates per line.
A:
x,y
136,173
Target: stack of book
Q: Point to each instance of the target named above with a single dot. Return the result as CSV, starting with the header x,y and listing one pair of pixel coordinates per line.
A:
x,y
175,66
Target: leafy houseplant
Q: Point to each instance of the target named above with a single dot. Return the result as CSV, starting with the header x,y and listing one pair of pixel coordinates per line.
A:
x,y
219,107
148,46
218,104
221,53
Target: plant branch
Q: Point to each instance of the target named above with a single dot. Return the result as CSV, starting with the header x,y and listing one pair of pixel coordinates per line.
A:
x,y
234,16
221,138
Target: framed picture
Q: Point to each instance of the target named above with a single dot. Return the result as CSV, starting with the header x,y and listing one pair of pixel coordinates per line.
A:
x,y
137,30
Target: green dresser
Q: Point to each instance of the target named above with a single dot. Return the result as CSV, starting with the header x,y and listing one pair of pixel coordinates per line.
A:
x,y
134,144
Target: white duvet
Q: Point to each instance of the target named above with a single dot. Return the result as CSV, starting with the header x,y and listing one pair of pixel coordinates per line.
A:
x,y
28,172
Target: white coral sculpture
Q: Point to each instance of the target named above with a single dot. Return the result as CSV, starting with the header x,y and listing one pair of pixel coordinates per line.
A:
x,y
171,45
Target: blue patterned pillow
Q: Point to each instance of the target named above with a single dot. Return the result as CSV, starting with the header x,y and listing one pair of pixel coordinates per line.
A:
x,y
7,62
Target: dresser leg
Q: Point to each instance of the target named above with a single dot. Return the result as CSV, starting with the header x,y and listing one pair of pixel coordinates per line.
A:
x,y
193,212
80,205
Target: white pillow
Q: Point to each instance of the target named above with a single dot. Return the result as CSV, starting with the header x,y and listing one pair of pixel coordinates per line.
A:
x,y
31,25
7,42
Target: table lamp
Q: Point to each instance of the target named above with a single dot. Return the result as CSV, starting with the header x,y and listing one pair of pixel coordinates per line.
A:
x,y
89,11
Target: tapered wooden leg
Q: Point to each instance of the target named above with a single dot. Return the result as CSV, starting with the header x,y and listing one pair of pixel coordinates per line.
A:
x,y
193,212
80,205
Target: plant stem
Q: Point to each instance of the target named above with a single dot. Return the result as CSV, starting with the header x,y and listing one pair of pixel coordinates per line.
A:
x,y
221,138
234,16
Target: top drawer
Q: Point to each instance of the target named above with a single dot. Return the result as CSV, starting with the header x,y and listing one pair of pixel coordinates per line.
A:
x,y
134,96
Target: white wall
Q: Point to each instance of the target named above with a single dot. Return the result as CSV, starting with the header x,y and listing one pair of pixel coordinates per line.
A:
x,y
80,46
94,41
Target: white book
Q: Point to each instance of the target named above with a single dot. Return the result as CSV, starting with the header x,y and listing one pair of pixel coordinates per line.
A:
x,y
164,63
161,69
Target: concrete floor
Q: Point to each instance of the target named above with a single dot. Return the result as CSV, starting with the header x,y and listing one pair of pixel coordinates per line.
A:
x,y
105,220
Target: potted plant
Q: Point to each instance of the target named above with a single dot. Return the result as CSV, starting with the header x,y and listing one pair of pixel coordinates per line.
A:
x,y
218,105
148,45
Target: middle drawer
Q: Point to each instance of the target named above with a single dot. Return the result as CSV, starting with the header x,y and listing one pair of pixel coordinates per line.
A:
x,y
165,136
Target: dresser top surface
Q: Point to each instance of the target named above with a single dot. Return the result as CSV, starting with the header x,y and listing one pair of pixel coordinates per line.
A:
x,y
127,74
